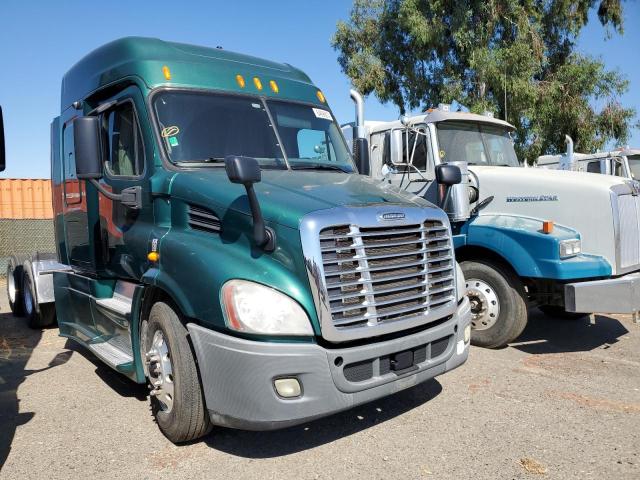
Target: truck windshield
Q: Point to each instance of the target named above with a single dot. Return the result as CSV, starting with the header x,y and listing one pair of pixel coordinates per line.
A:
x,y
634,166
476,144
205,127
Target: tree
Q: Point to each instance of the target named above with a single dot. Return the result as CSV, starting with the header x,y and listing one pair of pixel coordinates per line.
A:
x,y
418,53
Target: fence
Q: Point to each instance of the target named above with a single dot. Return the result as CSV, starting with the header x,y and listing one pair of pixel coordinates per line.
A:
x,y
26,218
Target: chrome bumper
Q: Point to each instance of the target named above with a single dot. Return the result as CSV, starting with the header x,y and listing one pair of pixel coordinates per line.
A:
x,y
612,295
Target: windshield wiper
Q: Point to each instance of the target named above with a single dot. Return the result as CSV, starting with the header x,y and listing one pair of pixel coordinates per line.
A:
x,y
201,161
319,166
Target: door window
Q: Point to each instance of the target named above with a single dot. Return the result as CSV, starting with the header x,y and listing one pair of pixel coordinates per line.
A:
x,y
123,141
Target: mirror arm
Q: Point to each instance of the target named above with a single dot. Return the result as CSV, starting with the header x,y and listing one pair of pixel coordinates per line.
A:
x,y
130,197
264,236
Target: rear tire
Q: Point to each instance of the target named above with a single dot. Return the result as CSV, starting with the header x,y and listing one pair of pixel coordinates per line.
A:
x,y
38,315
176,398
498,304
14,284
557,311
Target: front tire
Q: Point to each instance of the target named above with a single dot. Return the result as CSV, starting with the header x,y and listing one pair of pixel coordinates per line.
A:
x,y
176,396
38,315
498,304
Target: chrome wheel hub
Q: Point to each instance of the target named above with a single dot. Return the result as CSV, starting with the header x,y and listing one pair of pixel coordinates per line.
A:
x,y
28,301
160,371
485,306
11,286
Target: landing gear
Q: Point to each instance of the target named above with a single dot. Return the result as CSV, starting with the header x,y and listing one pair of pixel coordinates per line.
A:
x,y
176,396
498,305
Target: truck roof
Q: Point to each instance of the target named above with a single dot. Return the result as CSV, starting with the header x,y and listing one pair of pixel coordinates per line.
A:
x,y
553,159
436,115
189,65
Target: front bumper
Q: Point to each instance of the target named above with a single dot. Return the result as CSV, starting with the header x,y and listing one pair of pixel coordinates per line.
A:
x,y
237,374
612,295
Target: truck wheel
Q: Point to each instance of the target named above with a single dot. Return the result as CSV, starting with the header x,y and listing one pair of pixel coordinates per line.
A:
x,y
557,311
176,396
14,284
498,305
38,315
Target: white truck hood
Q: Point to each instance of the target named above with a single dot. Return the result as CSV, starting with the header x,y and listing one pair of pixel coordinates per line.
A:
x,y
601,208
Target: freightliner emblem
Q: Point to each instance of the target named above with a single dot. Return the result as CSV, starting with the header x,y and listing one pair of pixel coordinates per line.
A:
x,y
391,216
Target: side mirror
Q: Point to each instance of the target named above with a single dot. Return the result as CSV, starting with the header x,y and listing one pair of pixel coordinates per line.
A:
x,y
448,174
2,152
396,147
246,171
86,141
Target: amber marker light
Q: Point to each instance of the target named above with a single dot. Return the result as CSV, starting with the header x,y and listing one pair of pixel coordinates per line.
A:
x,y
274,86
257,83
240,80
153,256
166,72
547,226
320,96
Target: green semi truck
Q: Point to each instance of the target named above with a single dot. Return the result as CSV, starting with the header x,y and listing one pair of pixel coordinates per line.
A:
x,y
215,240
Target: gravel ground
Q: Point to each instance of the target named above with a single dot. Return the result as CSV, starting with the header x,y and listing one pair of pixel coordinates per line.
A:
x,y
564,402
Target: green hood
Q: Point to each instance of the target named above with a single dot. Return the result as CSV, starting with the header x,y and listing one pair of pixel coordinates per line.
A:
x,y
286,196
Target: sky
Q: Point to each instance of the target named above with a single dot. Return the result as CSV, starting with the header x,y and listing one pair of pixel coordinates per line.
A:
x,y
40,40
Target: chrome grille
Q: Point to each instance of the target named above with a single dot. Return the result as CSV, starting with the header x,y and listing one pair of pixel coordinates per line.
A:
x,y
376,275
629,208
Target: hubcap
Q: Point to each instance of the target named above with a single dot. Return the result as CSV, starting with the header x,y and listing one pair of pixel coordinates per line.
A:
x,y
485,306
160,371
28,300
11,286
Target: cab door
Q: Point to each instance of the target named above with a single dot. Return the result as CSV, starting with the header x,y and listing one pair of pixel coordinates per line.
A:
x,y
124,231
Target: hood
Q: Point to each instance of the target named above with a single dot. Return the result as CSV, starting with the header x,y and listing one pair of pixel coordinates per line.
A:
x,y
548,177
584,202
286,196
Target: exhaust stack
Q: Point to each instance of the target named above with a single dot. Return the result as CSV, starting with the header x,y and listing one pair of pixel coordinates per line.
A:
x,y
360,142
568,159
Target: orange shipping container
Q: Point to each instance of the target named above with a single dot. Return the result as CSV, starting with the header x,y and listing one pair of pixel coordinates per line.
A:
x,y
25,198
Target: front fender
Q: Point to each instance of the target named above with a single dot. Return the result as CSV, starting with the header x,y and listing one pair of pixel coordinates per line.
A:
x,y
193,266
531,253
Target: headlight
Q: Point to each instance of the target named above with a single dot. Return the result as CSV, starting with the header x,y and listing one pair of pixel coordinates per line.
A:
x,y
254,308
569,248
461,284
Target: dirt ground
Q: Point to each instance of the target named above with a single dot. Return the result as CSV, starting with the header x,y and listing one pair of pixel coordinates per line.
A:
x,y
563,402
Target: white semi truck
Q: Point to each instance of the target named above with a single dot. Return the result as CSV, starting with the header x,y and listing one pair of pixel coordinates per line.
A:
x,y
622,162
564,241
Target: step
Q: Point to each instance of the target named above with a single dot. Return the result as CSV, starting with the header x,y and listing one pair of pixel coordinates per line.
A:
x,y
111,354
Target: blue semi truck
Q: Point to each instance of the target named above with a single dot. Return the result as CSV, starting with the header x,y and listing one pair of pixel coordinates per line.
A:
x,y
565,242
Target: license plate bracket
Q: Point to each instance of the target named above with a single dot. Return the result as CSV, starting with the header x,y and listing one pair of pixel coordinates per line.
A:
x,y
402,361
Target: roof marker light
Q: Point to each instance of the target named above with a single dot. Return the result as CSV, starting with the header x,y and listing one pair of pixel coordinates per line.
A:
x,y
547,226
274,86
257,83
320,96
166,72
240,80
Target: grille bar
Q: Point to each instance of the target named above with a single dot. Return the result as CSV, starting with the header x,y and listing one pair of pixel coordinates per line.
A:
x,y
376,275
388,255
376,234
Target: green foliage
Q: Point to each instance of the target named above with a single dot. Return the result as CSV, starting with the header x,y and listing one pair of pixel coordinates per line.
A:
x,y
418,53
